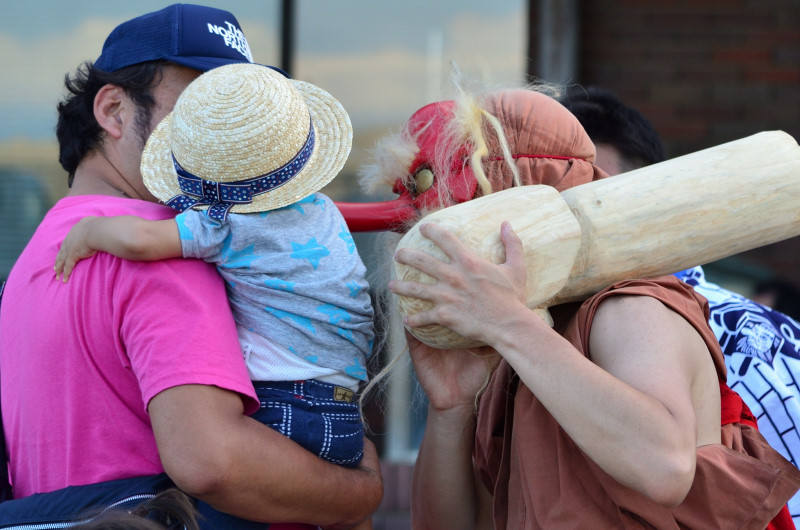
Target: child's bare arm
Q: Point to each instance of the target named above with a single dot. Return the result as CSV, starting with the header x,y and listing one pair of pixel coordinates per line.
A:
x,y
124,236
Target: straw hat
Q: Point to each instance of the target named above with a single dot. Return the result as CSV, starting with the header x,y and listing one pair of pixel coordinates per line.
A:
x,y
244,138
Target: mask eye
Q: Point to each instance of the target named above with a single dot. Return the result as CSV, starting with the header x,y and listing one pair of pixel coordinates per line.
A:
x,y
423,180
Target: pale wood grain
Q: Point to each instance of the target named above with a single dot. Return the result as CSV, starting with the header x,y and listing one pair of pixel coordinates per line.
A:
x,y
650,222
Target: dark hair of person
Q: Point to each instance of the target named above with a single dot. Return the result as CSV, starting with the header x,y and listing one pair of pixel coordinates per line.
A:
x,y
77,129
607,120
785,295
170,509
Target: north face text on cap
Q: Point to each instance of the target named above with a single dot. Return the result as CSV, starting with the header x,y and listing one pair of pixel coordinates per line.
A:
x,y
234,38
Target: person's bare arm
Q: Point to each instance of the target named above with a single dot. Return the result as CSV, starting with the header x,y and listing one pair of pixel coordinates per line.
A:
x,y
242,467
125,236
445,491
631,410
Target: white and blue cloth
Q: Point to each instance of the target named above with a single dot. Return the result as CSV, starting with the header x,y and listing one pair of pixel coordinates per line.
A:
x,y
762,355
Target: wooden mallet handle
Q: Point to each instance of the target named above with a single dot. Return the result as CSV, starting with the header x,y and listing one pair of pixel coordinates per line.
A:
x,y
657,220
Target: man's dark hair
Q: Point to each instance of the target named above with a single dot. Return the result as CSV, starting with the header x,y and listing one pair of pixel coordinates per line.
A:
x,y
607,120
77,129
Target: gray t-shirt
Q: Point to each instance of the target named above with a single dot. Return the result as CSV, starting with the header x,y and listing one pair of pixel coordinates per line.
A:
x,y
294,276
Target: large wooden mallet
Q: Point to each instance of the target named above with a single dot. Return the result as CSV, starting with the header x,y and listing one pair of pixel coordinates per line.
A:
x,y
654,221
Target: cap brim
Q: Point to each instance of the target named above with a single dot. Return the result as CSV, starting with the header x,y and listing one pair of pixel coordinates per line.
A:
x,y
204,64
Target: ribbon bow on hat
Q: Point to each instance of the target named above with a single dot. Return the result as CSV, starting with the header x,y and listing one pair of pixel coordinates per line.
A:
x,y
221,197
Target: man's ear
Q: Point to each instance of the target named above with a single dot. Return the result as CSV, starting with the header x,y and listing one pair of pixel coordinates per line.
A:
x,y
109,109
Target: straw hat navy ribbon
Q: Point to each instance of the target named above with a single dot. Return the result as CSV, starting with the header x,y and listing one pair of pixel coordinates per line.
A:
x,y
243,138
221,197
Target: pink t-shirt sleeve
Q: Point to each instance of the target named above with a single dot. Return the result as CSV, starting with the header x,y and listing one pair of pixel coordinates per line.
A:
x,y
81,361
176,328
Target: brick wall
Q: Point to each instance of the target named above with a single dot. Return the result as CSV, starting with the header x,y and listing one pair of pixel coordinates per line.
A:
x,y
704,72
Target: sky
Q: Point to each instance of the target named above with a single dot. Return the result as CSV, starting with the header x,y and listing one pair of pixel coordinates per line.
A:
x,y
382,59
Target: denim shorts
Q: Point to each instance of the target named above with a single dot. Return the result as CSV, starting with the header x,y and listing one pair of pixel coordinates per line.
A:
x,y
321,417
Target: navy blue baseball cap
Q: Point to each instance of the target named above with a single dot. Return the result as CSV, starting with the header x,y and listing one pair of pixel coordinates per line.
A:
x,y
189,35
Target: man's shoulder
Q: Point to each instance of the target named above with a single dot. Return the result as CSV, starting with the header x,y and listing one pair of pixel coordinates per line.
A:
x,y
104,205
179,270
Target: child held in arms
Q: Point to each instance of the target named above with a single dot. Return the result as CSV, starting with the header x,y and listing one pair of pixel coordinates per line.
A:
x,y
243,157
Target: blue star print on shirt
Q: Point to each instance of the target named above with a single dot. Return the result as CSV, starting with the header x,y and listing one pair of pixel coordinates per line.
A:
x,y
355,289
346,333
314,359
311,199
357,370
235,259
336,315
347,237
183,230
312,251
300,320
280,285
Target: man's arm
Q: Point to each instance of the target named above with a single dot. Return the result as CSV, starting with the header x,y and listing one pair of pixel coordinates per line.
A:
x,y
125,236
214,452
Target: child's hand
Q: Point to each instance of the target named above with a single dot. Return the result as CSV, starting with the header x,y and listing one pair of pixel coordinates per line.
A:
x,y
74,248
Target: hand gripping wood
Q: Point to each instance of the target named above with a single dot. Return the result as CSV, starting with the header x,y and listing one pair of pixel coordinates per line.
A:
x,y
653,221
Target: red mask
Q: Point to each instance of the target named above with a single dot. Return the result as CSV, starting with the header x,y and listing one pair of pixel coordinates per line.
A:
x,y
546,141
422,188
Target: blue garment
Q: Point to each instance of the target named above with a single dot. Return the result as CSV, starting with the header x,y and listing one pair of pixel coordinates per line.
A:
x,y
75,505
762,355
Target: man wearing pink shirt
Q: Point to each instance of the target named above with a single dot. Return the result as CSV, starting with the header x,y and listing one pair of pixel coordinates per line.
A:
x,y
134,369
